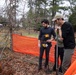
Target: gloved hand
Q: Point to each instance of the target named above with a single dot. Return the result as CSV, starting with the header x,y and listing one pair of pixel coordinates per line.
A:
x,y
38,43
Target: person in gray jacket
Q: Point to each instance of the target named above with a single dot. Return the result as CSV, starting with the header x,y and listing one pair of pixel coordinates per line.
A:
x,y
60,50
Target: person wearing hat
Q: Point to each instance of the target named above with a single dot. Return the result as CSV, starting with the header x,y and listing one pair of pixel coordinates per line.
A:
x,y
68,40
44,40
60,48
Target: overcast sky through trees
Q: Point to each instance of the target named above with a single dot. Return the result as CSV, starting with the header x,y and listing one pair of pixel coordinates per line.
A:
x,y
21,7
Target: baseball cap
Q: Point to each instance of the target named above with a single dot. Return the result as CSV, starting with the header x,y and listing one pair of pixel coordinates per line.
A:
x,y
57,17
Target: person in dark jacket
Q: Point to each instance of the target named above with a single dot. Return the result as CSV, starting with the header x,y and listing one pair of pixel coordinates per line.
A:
x,y
68,40
44,41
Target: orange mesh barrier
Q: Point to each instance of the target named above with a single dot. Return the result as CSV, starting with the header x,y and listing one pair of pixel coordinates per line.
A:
x,y
29,45
72,69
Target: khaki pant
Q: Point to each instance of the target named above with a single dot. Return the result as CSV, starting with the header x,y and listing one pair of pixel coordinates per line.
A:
x,y
67,59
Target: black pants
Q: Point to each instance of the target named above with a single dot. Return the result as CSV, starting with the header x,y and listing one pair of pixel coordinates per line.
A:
x,y
42,49
60,54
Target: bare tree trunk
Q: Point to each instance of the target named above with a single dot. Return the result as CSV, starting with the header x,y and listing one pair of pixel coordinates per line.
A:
x,y
12,20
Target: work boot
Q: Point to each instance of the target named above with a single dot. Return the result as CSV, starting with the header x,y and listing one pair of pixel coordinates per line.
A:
x,y
47,70
54,68
39,69
60,69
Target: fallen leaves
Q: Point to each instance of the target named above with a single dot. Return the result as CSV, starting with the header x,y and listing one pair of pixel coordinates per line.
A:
x,y
20,64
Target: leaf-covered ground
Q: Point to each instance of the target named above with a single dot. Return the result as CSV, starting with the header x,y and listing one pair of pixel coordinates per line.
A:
x,y
13,63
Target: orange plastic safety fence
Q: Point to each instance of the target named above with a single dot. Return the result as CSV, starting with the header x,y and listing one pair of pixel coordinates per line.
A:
x,y
29,45
72,69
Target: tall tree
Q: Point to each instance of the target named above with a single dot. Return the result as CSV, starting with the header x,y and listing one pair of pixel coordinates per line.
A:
x,y
45,9
71,6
